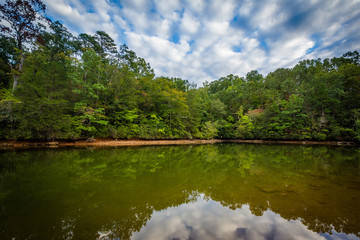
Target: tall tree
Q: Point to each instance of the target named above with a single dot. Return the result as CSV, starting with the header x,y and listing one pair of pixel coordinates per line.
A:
x,y
45,96
7,53
21,17
59,40
136,64
107,44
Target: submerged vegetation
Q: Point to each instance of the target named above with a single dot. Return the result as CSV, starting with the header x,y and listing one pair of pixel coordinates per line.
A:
x,y
54,85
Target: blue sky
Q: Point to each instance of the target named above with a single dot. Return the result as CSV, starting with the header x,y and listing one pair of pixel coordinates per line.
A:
x,y
203,40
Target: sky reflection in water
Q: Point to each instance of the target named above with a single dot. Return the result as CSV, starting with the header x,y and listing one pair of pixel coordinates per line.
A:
x,y
223,191
208,219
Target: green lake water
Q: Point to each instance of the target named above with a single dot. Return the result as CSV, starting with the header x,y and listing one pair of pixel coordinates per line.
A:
x,y
221,191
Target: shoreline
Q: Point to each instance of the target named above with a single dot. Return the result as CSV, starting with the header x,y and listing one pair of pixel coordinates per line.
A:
x,y
12,144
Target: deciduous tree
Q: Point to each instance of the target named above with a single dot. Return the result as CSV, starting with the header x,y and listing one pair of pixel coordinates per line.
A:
x,y
19,19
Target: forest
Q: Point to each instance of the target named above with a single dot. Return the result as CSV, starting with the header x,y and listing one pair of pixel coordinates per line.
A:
x,y
54,85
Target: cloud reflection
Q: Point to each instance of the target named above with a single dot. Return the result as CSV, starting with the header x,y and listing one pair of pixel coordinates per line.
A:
x,y
208,219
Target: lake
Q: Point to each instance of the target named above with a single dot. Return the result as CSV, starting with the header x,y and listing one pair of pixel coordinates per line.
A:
x,y
219,191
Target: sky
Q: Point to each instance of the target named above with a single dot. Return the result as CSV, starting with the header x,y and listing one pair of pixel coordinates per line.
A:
x,y
203,40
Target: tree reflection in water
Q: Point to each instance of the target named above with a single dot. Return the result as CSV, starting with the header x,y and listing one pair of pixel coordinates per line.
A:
x,y
223,191
208,219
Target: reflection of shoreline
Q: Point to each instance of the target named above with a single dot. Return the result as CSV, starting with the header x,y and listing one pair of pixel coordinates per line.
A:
x,y
9,144
322,204
191,221
123,187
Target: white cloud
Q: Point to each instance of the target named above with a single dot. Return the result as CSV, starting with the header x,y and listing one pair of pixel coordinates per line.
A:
x,y
189,24
221,10
245,7
76,15
122,23
138,20
195,6
139,5
268,17
102,9
289,51
167,8
158,47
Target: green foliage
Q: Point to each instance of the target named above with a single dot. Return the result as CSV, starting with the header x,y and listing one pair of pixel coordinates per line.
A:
x,y
8,57
85,86
244,126
209,130
43,110
88,121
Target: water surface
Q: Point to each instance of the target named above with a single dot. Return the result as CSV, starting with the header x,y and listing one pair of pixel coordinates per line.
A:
x,y
222,191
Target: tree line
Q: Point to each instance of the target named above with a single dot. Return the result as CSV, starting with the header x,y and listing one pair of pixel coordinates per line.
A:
x,y
55,85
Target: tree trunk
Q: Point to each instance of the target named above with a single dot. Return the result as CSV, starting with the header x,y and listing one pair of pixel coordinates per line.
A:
x,y
17,75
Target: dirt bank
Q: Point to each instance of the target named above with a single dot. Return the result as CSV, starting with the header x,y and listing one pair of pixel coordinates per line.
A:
x,y
113,142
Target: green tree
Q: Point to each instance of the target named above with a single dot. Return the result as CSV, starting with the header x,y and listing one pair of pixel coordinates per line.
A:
x,y
59,40
22,15
244,126
7,59
44,108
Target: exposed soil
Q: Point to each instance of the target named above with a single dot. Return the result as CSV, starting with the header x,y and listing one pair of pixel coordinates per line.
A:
x,y
113,142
